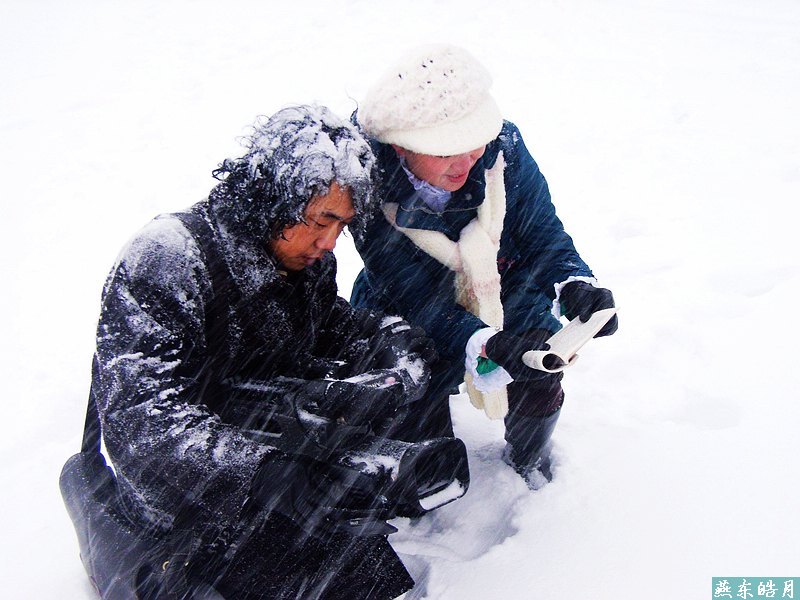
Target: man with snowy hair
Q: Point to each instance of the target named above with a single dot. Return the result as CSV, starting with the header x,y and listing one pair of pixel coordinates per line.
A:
x,y
240,291
468,246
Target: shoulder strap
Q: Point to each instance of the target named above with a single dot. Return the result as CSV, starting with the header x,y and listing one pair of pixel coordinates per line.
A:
x,y
224,292
224,295
91,427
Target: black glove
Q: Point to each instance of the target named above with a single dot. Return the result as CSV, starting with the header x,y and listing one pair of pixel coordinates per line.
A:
x,y
419,343
355,404
404,350
507,349
581,299
400,339
387,342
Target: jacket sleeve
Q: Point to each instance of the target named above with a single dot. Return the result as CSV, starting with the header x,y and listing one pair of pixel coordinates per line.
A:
x,y
547,253
164,442
416,286
366,341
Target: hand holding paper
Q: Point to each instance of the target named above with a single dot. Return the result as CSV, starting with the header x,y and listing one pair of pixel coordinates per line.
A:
x,y
565,344
507,349
580,299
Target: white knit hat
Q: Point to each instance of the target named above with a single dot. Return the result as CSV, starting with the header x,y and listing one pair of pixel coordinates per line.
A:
x,y
434,101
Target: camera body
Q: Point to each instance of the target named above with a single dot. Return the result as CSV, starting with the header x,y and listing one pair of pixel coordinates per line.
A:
x,y
369,477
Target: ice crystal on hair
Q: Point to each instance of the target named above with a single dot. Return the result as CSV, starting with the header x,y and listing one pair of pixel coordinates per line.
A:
x,y
293,156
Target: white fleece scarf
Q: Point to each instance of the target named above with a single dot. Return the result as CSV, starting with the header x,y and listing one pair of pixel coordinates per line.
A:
x,y
474,260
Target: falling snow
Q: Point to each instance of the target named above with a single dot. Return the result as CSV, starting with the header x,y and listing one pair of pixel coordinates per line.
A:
x,y
669,137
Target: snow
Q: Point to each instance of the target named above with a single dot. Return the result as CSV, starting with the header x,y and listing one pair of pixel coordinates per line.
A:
x,y
668,134
413,366
373,462
313,157
452,492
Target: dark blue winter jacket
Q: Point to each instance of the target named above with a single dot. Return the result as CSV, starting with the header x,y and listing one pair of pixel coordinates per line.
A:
x,y
535,251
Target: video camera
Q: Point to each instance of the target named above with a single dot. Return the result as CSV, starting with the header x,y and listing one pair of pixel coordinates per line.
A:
x,y
369,477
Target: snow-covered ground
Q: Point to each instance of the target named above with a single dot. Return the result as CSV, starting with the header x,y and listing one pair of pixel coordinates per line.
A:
x,y
668,131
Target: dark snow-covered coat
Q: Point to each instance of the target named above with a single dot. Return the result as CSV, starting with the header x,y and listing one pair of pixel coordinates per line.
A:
x,y
151,380
535,252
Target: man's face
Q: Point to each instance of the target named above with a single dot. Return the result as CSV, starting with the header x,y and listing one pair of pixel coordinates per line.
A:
x,y
446,172
326,217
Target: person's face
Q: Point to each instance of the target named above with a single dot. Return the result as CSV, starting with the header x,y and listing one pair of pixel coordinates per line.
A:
x,y
301,245
446,172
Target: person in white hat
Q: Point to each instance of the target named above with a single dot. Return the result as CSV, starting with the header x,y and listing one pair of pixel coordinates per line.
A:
x,y
469,247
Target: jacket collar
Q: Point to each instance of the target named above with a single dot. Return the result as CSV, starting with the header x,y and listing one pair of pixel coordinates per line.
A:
x,y
251,265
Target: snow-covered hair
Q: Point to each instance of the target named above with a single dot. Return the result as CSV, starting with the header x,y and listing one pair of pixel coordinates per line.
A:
x,y
292,156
